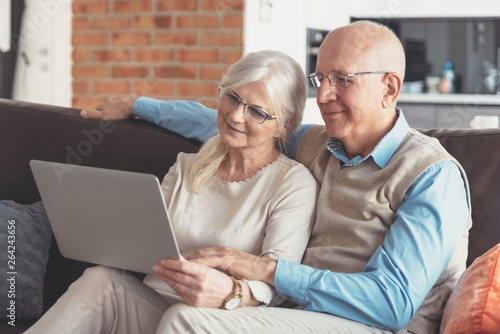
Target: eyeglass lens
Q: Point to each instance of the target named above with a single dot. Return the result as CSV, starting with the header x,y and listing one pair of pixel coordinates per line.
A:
x,y
252,113
335,78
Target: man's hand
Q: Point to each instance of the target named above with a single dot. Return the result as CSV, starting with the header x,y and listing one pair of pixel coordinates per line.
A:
x,y
237,263
114,110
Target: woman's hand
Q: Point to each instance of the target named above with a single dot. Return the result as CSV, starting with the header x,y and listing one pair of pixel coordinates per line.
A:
x,y
196,284
237,263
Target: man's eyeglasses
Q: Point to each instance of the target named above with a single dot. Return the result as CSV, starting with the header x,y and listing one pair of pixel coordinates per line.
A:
x,y
252,112
336,78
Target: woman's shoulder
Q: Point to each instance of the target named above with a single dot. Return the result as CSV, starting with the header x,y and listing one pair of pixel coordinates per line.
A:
x,y
185,160
291,167
291,178
290,163
186,157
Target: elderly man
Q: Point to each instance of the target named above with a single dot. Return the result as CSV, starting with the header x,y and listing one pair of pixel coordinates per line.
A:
x,y
390,238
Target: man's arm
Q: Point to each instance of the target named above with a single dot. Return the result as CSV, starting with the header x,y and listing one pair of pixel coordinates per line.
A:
x,y
428,227
188,118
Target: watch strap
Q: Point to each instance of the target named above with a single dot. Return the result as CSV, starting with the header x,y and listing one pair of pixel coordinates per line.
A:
x,y
238,293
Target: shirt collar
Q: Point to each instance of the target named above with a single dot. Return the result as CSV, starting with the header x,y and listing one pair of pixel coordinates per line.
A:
x,y
381,153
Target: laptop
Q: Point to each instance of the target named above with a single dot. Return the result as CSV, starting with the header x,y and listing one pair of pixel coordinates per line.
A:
x,y
108,217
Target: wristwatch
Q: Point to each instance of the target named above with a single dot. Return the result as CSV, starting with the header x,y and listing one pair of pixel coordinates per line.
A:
x,y
234,300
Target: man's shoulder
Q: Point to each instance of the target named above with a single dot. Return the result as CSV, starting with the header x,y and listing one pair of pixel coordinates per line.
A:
x,y
417,140
314,138
312,150
420,151
316,130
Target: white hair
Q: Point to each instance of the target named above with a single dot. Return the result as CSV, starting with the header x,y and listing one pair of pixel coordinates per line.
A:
x,y
287,89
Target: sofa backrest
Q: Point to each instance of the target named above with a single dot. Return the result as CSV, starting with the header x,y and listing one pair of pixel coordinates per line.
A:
x,y
36,131
476,150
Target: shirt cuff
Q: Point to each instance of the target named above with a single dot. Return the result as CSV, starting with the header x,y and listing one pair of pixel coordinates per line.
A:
x,y
291,280
261,291
140,108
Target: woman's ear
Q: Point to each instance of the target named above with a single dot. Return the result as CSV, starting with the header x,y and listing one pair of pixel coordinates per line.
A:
x,y
286,125
289,121
393,84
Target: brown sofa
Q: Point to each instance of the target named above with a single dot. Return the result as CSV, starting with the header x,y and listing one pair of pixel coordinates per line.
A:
x,y
34,131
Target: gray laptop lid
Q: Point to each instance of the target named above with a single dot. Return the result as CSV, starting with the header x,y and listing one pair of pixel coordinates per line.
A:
x,y
104,216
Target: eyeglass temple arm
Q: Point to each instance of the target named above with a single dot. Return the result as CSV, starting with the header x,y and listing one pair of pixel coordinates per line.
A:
x,y
360,73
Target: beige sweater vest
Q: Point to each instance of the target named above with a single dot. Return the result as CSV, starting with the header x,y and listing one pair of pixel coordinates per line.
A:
x,y
357,206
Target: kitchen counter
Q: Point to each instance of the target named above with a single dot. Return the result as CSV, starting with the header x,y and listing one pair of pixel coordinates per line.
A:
x,y
462,99
447,110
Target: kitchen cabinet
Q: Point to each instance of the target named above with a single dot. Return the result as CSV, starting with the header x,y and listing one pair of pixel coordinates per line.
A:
x,y
453,111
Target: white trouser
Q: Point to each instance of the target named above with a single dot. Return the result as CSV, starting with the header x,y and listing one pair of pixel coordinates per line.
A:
x,y
182,318
106,300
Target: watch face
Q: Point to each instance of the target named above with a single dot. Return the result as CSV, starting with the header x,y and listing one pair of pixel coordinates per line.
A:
x,y
233,303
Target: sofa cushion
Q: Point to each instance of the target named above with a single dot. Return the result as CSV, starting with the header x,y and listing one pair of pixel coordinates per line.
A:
x,y
474,304
26,237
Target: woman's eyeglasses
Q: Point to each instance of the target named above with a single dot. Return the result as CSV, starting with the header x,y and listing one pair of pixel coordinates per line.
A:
x,y
252,112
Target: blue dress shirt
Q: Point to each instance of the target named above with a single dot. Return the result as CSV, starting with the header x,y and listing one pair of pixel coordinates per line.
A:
x,y
417,248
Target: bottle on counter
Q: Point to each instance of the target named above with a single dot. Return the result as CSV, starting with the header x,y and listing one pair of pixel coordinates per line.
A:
x,y
447,85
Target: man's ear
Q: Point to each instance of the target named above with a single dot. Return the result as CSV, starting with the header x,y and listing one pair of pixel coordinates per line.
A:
x,y
393,84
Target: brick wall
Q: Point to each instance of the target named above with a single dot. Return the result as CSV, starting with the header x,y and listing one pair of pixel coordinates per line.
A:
x,y
167,49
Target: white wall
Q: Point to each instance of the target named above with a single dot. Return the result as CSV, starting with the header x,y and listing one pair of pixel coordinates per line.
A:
x,y
43,75
5,25
46,34
283,26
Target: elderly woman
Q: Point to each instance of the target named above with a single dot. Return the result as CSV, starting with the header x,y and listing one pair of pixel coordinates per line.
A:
x,y
238,191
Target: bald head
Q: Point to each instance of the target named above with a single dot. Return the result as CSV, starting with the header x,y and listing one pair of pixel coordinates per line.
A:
x,y
372,46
